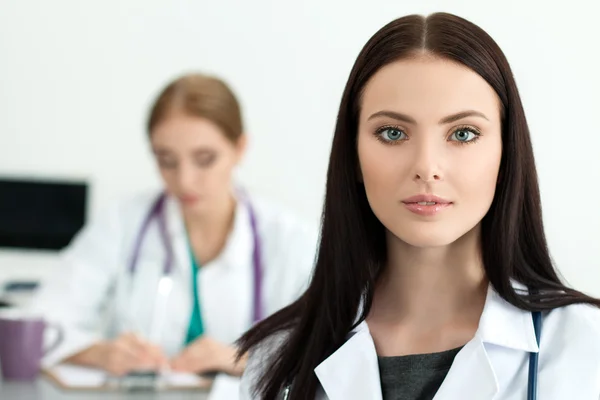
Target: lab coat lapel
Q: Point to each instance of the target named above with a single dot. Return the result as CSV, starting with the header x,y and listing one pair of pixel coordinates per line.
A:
x,y
352,372
471,376
178,236
181,296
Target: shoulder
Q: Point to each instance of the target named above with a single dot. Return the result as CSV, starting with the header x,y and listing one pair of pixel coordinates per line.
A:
x,y
279,223
114,220
580,322
125,205
128,212
571,336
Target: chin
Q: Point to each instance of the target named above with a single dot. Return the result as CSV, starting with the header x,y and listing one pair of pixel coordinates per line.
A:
x,y
429,235
434,235
196,207
427,240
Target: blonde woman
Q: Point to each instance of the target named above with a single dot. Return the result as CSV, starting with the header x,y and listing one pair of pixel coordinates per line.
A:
x,y
184,271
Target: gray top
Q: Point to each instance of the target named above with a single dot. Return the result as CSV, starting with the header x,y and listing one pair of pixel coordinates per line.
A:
x,y
414,377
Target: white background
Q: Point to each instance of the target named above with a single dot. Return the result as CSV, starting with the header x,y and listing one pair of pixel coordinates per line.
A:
x,y
76,80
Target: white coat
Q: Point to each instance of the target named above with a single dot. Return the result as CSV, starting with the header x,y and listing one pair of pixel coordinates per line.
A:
x,y
96,297
492,366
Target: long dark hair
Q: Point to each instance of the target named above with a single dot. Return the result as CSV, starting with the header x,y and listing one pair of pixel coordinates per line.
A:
x,y
352,247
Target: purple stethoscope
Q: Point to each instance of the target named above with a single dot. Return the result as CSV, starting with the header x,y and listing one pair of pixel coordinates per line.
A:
x,y
157,213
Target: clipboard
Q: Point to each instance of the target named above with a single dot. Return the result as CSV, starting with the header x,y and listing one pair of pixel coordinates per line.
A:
x,y
76,378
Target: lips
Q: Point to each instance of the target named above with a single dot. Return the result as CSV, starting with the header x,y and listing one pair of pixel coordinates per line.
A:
x,y
426,198
426,205
188,199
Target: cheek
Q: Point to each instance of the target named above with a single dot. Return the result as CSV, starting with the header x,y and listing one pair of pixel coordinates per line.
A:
x,y
476,182
220,173
169,178
473,181
382,170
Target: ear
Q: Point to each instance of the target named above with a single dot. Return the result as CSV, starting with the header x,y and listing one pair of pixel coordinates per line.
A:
x,y
240,146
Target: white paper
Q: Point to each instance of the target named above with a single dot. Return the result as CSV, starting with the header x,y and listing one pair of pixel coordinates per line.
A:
x,y
82,377
74,376
181,379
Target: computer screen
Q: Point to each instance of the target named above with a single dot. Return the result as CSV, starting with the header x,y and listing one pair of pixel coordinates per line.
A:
x,y
38,214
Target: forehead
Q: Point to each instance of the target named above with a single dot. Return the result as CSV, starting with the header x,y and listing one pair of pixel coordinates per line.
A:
x,y
427,87
180,131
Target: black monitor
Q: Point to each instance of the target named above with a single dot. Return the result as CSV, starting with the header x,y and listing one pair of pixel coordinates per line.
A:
x,y
39,214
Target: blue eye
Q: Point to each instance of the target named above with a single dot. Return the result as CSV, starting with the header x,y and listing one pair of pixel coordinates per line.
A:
x,y
391,134
464,135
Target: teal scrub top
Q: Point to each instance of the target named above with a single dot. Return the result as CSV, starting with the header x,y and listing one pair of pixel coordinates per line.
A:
x,y
196,327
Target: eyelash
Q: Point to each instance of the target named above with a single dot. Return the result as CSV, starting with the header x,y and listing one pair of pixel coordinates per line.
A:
x,y
205,162
166,164
378,132
202,162
469,128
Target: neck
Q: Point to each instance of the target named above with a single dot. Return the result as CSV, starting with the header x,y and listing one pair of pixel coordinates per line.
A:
x,y
208,229
422,291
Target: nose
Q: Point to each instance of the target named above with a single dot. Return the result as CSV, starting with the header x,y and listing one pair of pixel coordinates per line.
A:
x,y
427,163
185,177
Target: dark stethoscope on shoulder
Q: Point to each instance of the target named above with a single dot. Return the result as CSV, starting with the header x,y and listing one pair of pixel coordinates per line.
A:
x,y
533,362
157,213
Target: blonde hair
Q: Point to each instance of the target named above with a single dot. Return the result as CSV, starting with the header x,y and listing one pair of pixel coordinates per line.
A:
x,y
201,96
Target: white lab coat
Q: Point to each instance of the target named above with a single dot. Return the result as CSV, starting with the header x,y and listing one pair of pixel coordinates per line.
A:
x,y
95,296
493,365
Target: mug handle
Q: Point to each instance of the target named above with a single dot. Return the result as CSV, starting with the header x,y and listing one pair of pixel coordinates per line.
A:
x,y
59,337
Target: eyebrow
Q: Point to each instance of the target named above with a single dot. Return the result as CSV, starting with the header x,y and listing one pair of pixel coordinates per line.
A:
x,y
203,151
159,151
446,120
462,115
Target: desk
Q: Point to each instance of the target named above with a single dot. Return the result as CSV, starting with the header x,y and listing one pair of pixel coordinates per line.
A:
x,y
42,389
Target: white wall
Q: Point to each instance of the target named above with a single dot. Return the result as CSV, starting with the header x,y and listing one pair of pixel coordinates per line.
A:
x,y
76,79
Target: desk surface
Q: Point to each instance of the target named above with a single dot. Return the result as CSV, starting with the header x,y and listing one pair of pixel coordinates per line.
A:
x,y
42,389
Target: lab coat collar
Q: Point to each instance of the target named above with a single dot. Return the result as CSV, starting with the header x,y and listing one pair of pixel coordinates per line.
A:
x,y
238,247
505,325
352,372
174,217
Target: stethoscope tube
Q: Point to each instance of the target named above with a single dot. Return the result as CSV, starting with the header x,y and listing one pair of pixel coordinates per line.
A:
x,y
533,358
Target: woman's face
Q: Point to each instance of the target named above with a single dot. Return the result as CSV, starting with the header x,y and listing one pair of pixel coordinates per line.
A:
x,y
429,148
196,160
